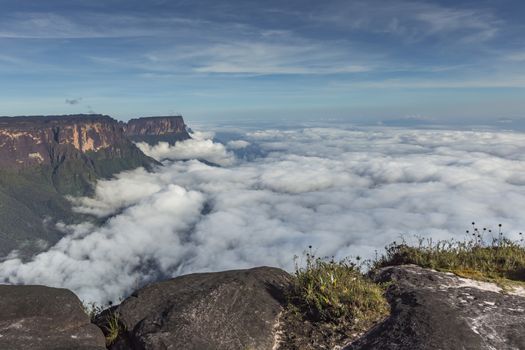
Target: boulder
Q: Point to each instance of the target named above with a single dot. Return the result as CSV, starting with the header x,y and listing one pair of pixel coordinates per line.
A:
x,y
43,318
225,310
436,310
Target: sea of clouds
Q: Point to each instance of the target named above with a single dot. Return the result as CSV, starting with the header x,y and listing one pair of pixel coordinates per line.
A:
x,y
267,195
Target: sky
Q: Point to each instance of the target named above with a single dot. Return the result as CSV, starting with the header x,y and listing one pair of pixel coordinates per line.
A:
x,y
397,62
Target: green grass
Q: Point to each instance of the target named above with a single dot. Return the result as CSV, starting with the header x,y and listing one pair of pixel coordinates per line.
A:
x,y
108,320
332,302
113,327
497,260
336,301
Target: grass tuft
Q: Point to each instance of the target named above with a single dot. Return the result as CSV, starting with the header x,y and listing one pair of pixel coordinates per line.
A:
x,y
108,320
113,327
497,260
333,302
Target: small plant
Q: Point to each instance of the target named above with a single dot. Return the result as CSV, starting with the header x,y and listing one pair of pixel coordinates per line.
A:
x,y
107,319
113,327
481,256
335,299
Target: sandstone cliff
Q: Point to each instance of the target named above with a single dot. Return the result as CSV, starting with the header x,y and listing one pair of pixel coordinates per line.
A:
x,y
50,140
42,159
157,129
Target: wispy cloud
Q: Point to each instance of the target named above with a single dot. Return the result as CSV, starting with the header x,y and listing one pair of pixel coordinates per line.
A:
x,y
413,21
271,48
94,25
268,58
516,56
9,59
295,56
498,81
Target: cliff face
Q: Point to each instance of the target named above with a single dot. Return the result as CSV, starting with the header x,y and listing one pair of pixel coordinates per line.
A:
x,y
44,158
28,141
156,129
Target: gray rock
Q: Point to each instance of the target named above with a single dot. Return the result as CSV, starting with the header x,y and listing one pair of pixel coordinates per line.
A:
x,y
38,318
434,310
225,310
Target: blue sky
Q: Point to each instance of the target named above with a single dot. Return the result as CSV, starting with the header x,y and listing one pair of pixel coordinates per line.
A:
x,y
416,61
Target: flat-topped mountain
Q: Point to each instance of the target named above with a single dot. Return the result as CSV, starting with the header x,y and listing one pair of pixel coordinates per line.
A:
x,y
156,129
75,149
53,140
45,158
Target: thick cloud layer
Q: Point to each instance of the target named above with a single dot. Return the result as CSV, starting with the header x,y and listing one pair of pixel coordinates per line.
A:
x,y
345,192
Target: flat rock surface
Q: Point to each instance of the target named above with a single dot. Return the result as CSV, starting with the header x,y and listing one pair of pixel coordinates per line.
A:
x,y
43,318
435,310
225,310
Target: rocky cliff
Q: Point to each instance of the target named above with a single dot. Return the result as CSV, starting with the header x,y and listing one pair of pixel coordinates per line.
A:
x,y
42,159
27,141
157,129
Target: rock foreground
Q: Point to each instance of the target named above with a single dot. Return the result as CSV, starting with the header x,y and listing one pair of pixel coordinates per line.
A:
x,y
221,311
435,310
43,318
238,310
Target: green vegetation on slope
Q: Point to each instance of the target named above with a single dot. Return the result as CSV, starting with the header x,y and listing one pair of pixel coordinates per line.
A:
x,y
27,199
33,199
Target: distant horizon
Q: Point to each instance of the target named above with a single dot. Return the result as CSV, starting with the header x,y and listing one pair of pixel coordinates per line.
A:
x,y
517,125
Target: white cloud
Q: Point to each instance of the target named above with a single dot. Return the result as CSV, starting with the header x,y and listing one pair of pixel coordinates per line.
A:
x,y
196,148
237,144
413,20
346,192
86,24
294,55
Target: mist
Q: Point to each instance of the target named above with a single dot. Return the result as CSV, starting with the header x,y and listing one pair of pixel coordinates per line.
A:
x,y
346,192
